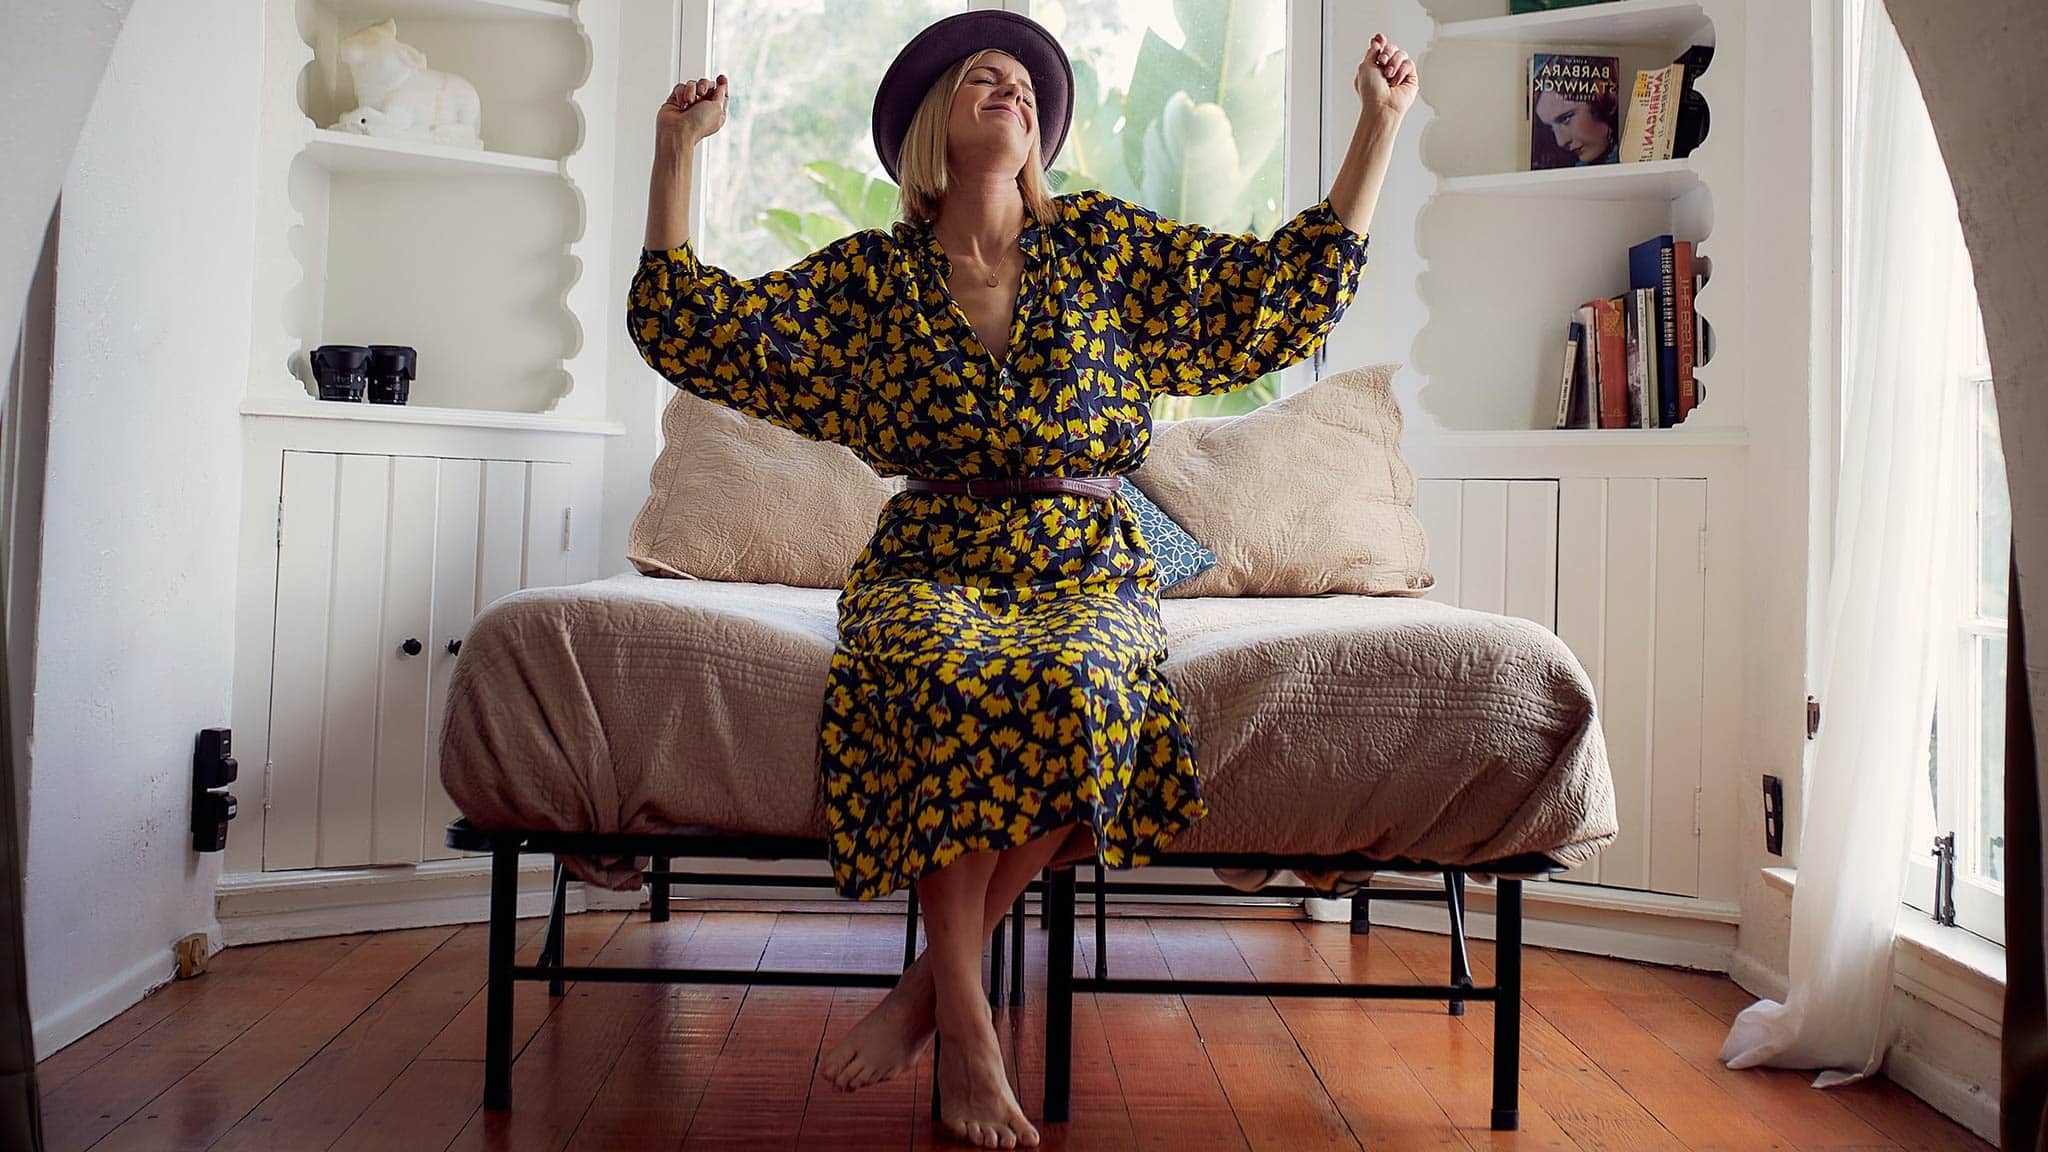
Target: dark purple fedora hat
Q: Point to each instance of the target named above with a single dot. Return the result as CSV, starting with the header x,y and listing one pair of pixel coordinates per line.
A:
x,y
945,42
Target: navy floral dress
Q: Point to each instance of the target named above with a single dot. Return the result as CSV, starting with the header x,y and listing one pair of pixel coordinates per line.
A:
x,y
997,672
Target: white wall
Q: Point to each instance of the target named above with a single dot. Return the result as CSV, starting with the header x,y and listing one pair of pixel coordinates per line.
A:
x,y
137,615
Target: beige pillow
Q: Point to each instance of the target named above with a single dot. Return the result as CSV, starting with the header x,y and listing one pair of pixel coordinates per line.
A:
x,y
1306,495
735,498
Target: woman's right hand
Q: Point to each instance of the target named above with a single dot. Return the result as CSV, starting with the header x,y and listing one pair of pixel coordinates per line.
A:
x,y
694,110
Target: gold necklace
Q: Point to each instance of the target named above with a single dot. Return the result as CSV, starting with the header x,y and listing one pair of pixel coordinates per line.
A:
x,y
990,271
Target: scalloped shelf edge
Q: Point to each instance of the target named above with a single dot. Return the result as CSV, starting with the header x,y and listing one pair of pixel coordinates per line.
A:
x,y
286,407
1662,22
348,152
1645,180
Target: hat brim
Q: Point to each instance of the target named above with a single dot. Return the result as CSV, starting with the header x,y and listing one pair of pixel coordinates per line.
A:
x,y
945,42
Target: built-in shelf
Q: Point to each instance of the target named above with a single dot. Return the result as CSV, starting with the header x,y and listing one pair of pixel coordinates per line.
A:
x,y
347,152
307,408
1662,22
1649,180
1702,437
371,11
1578,439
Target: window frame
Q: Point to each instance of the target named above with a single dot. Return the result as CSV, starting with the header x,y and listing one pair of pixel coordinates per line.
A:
x,y
1302,178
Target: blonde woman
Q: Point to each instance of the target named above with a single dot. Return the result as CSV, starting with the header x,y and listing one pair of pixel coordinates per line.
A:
x,y
995,703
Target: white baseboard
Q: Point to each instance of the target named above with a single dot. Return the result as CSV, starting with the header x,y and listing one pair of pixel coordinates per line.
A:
x,y
258,907
1673,930
1960,1099
85,1013
1757,978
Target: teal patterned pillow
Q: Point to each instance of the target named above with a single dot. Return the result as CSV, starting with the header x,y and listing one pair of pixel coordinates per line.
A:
x,y
1179,555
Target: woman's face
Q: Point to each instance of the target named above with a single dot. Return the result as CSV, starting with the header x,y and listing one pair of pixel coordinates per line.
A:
x,y
1577,129
994,114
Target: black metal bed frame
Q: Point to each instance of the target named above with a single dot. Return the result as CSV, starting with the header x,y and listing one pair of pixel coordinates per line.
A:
x,y
1058,889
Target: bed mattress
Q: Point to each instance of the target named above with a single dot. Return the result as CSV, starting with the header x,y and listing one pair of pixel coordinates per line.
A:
x,y
1324,725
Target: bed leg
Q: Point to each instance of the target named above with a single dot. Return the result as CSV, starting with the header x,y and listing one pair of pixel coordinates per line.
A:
x,y
910,930
657,891
996,951
1059,996
1361,911
498,990
1017,952
551,952
1101,922
1461,967
1507,1006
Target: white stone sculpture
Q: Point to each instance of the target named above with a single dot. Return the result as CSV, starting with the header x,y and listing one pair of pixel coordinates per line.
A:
x,y
401,98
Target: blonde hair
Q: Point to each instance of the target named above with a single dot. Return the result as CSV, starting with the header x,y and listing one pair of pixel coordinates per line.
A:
x,y
921,164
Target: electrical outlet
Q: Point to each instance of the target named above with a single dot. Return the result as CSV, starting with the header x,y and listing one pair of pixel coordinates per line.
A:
x,y
1774,816
213,769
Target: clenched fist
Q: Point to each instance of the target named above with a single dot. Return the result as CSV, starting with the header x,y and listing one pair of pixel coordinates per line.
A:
x,y
1386,78
694,110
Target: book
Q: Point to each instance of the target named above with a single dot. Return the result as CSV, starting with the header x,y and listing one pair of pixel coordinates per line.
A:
x,y
1574,337
1573,110
1587,405
1688,328
1652,115
1642,358
1652,265
1612,360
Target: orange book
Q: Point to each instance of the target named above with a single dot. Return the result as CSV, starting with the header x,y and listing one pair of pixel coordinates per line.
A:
x,y
1611,361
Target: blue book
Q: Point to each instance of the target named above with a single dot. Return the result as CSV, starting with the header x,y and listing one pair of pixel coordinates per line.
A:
x,y
1652,264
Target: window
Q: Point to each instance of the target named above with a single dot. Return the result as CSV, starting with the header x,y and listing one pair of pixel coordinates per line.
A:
x,y
1180,105
1965,793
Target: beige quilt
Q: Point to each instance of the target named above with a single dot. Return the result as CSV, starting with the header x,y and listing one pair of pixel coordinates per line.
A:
x,y
1394,727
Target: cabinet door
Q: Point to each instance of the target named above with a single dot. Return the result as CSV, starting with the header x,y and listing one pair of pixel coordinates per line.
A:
x,y
383,563
1616,568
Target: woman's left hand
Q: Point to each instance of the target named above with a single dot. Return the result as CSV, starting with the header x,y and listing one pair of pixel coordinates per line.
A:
x,y
1386,79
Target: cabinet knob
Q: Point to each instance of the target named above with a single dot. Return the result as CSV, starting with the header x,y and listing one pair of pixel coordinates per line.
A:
x,y
454,647
411,647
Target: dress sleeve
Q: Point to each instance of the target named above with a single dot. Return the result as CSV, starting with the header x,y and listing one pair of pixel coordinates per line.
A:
x,y
1209,312
781,347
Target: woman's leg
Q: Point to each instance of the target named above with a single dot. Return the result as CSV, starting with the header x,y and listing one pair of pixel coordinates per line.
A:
x,y
885,1043
976,1102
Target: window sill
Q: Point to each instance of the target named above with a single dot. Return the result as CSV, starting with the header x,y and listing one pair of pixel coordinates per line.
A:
x,y
1956,971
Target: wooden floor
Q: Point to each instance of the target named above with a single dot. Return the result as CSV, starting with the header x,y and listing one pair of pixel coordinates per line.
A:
x,y
376,1042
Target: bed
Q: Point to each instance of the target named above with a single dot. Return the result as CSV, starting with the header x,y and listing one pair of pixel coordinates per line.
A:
x,y
644,718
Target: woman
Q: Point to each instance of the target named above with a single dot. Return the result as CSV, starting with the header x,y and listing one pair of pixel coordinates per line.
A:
x,y
994,703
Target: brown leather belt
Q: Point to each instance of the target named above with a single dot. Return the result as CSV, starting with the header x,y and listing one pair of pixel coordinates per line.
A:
x,y
1099,487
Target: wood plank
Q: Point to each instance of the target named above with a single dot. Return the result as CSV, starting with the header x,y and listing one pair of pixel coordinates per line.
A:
x,y
546,561
560,1072
319,1102
298,674
1483,546
227,969
1905,1118
583,937
210,1099
421,1111
1530,558
1629,662
653,1092
398,798
85,1108
458,501
1171,1091
355,662
1582,592
1437,505
1677,732
501,531
769,1061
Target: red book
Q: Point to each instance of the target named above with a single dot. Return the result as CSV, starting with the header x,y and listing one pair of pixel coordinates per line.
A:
x,y
1688,390
1611,357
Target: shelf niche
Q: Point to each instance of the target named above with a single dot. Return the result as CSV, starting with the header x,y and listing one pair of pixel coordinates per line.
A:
x,y
462,254
1510,254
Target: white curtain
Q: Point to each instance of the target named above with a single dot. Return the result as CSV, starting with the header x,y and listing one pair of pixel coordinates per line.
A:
x,y
1908,293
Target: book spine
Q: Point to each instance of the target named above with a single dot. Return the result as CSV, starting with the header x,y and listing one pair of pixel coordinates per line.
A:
x,y
1643,369
1572,341
1636,363
1586,403
1667,111
1667,334
1688,351
1613,363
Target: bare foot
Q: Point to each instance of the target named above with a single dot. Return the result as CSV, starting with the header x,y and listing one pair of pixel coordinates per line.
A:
x,y
975,1101
890,1038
